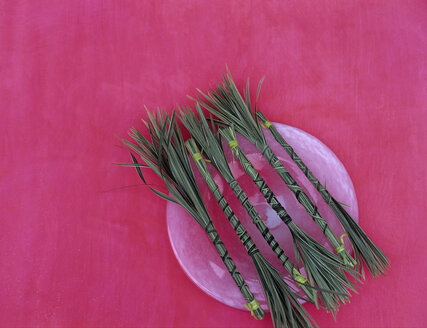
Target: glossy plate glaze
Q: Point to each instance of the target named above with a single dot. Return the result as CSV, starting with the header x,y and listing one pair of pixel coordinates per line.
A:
x,y
196,254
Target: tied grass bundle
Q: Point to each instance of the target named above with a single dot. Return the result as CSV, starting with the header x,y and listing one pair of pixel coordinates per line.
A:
x,y
228,105
286,310
364,247
312,254
165,154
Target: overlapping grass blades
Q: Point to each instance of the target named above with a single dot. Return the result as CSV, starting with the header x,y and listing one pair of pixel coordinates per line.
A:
x,y
323,267
211,144
281,299
364,248
166,155
227,104
311,253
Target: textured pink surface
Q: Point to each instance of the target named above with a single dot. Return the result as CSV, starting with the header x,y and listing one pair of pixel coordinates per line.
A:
x,y
76,250
192,246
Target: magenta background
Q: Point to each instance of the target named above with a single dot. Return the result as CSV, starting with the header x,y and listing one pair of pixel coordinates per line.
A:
x,y
76,250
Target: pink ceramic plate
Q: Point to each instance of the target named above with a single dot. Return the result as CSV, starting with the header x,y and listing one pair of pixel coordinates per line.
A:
x,y
196,254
